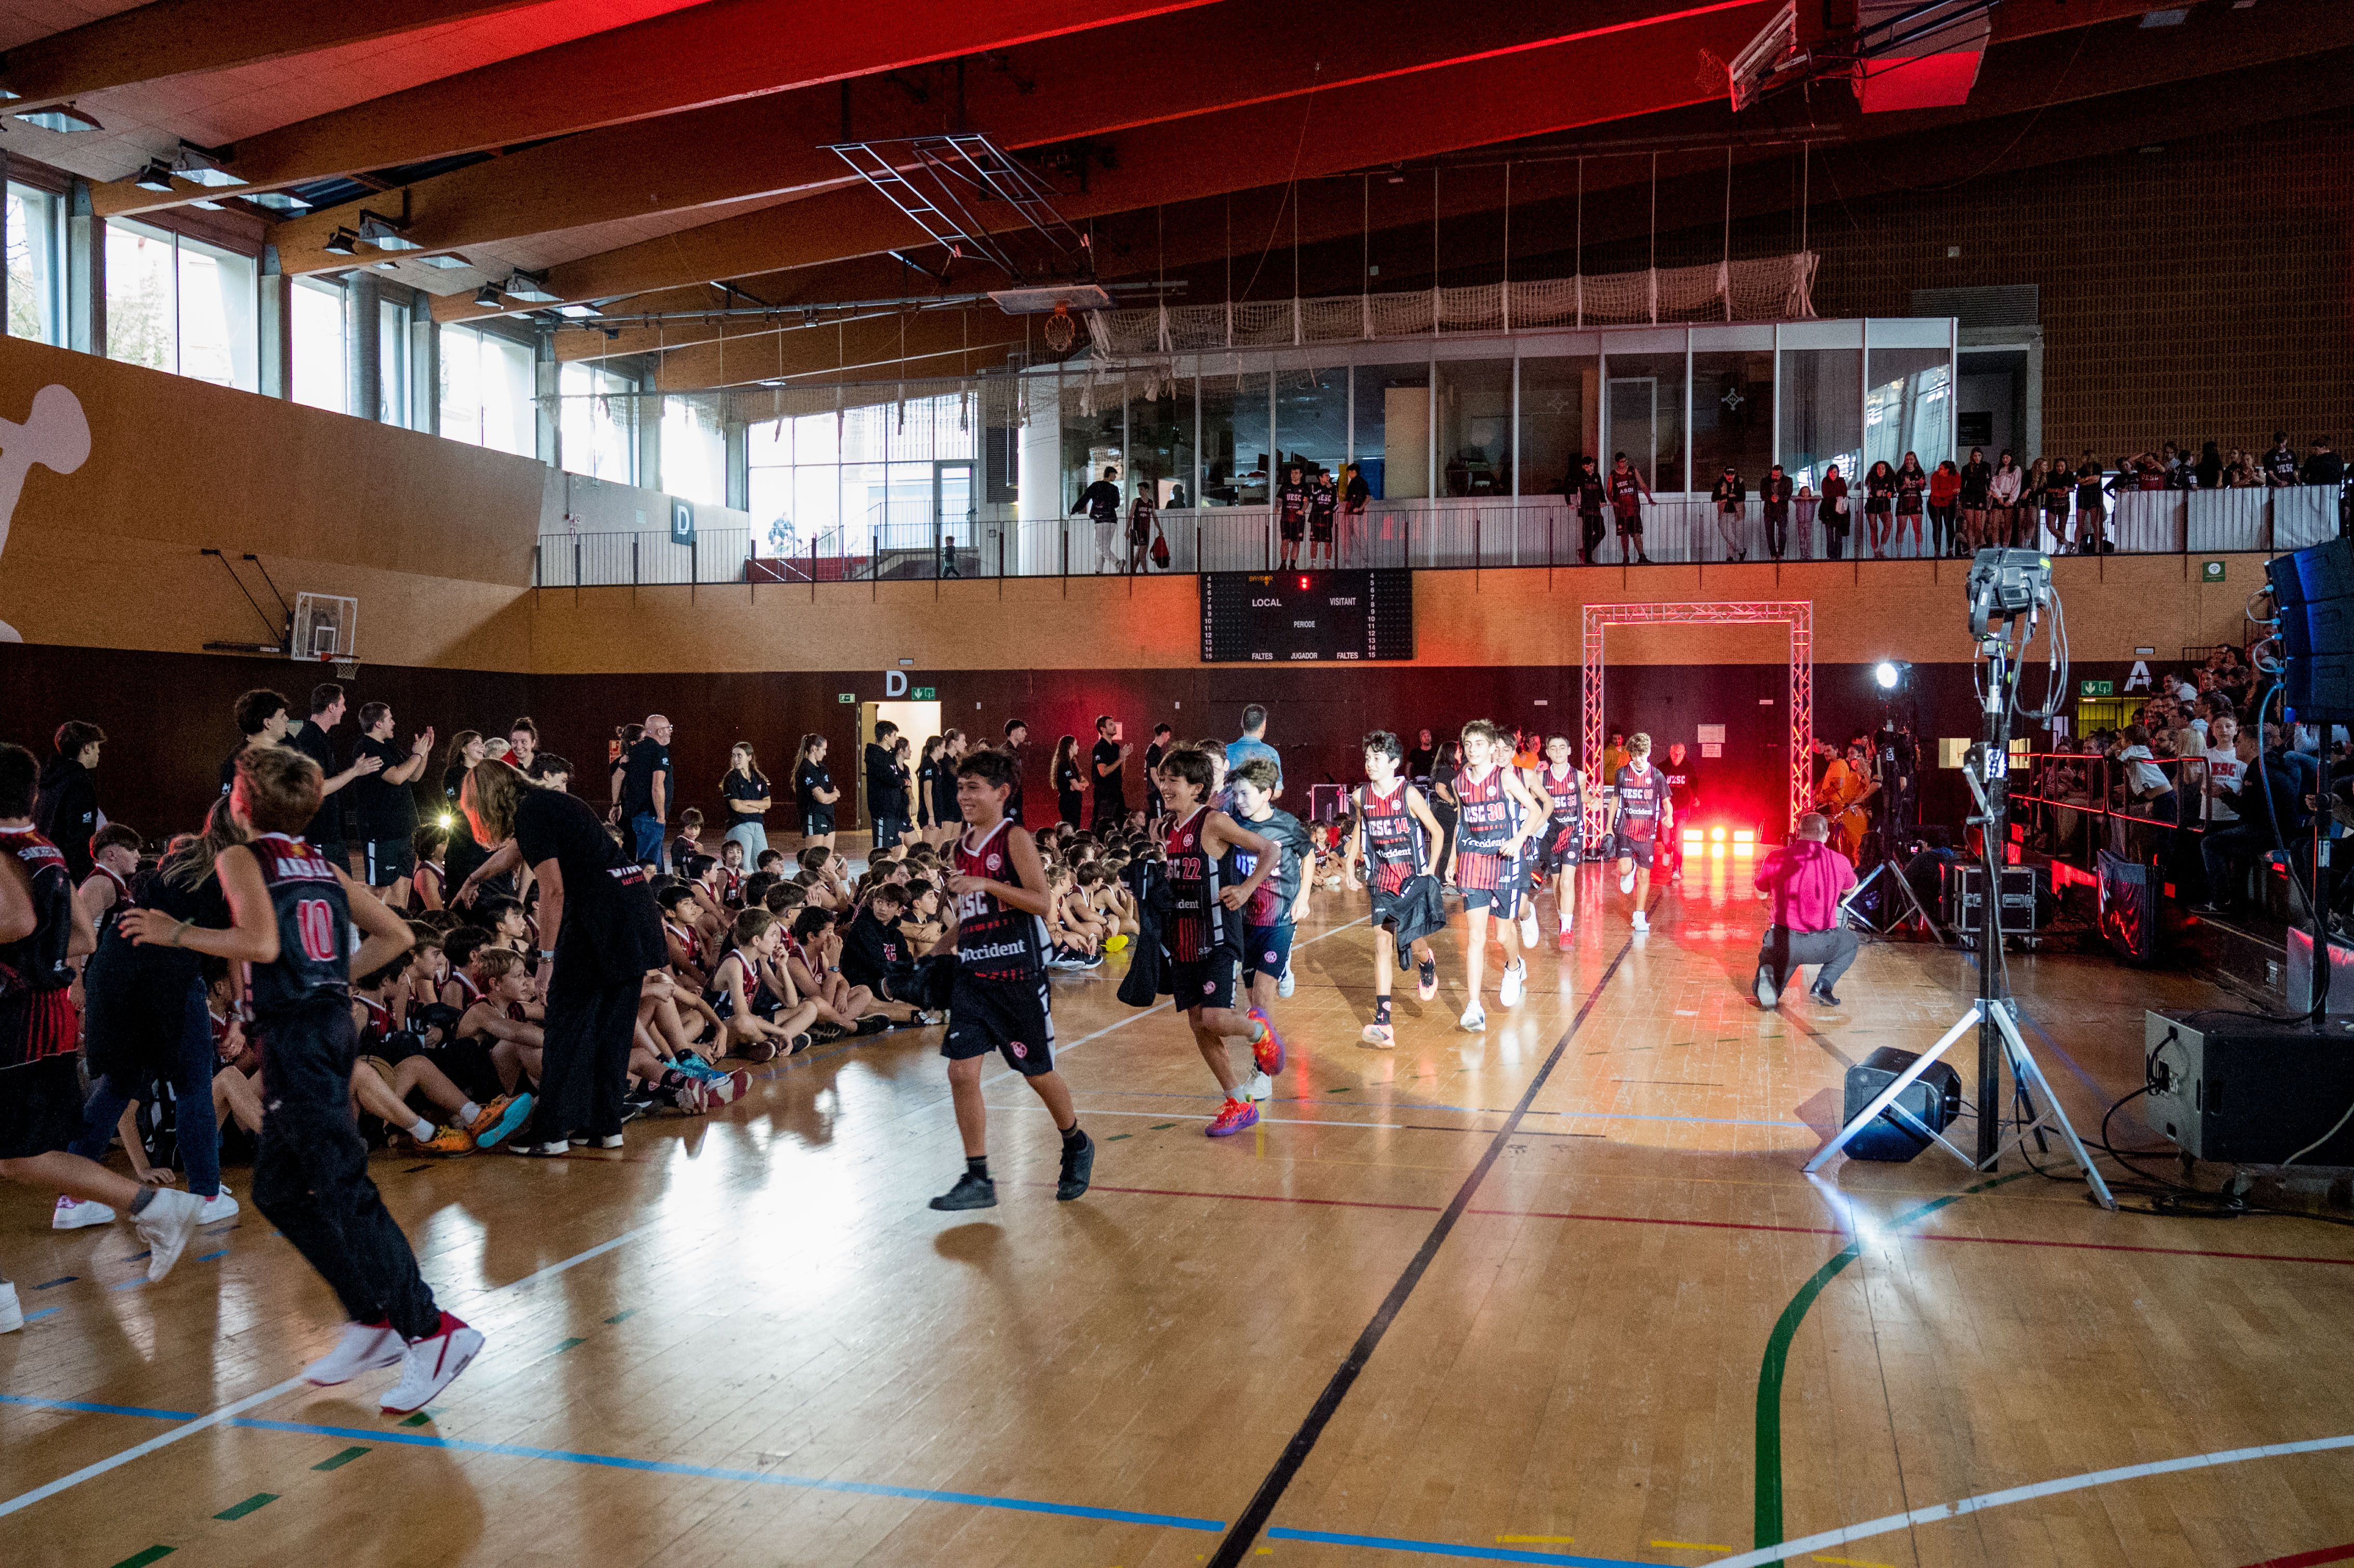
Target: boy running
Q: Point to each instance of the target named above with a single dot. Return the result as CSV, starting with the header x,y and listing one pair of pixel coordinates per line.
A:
x,y
1205,932
1000,1002
1394,829
1281,899
1640,815
1560,845
292,917
1495,819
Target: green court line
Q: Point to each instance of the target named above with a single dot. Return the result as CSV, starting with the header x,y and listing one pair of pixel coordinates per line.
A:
x,y
1162,1125
141,1559
1115,1136
257,1500
421,1418
338,1461
623,1317
567,1345
1767,1528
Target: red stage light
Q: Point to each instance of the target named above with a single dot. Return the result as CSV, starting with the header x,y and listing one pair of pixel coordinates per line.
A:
x,y
1303,582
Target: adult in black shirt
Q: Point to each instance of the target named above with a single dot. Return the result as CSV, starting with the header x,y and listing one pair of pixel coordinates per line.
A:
x,y
886,796
1109,768
383,811
261,721
315,741
814,794
1773,494
646,790
1068,798
1100,502
67,810
599,933
1291,502
2325,467
745,791
2280,464
1418,761
1154,807
1017,736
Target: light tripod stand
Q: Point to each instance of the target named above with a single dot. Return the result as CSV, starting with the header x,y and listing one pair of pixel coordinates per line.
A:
x,y
2008,588
1890,917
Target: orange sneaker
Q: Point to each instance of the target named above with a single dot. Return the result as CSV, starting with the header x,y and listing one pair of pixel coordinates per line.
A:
x,y
1267,1050
1380,1036
1232,1118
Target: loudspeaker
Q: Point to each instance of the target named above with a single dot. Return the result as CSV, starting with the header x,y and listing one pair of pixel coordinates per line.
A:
x,y
2314,592
1934,1099
2249,1091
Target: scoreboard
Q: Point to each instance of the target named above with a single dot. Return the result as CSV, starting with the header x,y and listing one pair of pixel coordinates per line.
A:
x,y
1295,617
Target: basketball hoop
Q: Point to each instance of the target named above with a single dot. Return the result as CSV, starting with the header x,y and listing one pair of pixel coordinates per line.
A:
x,y
1060,330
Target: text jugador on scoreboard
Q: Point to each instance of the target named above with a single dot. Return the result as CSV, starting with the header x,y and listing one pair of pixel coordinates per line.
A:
x,y
1303,618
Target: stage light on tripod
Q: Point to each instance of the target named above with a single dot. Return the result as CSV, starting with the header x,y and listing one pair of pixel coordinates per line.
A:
x,y
1887,674
1717,834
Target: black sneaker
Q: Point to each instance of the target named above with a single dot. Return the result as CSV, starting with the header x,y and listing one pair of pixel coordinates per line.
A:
x,y
971,1191
1425,973
1078,1164
874,1023
1825,997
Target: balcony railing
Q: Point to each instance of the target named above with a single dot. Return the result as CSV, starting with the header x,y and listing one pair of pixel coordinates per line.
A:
x,y
1451,535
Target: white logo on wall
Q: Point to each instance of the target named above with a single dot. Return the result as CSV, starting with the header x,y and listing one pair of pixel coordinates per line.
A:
x,y
54,435
2138,677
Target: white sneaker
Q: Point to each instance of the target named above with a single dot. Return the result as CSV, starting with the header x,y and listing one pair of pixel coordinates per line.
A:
x,y
1287,985
12,1317
1260,1087
1474,1017
218,1207
1514,983
1529,932
1641,921
165,1225
1626,882
431,1364
72,1214
364,1347
1767,997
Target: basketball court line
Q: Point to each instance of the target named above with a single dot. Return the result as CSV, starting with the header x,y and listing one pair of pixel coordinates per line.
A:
x,y
1236,1545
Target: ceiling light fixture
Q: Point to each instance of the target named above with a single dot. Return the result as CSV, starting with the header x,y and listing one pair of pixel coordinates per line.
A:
x,y
489,298
286,202
63,118
202,165
383,233
155,176
445,264
342,242
532,288
579,312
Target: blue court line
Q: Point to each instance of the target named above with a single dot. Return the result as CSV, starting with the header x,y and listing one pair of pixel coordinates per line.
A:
x,y
130,1284
1445,1549
651,1467
44,1313
1463,1110
208,1257
60,1280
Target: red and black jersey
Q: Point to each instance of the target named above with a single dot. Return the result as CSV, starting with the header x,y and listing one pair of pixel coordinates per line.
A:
x,y
1642,798
1627,492
314,928
380,1021
38,962
995,941
1196,919
1488,814
1396,844
121,898
1567,795
465,983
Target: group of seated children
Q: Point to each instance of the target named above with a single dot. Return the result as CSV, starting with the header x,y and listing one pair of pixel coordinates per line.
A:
x,y
1094,911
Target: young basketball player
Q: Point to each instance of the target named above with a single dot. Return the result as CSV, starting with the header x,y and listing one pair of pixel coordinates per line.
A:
x,y
1204,931
1001,1000
1637,819
292,916
1560,845
1281,899
1496,817
1393,831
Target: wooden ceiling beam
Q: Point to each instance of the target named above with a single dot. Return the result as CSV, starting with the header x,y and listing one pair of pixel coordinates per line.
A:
x,y
710,53
171,37
1047,93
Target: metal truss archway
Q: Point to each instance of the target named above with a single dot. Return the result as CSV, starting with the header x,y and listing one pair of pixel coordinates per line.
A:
x,y
1798,615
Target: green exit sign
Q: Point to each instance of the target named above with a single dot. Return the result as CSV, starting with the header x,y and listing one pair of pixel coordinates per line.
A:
x,y
2210,571
926,695
847,697
2096,689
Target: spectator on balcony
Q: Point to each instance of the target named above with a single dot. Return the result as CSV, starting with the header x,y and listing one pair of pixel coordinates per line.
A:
x,y
1945,492
1627,494
1912,485
2059,488
2091,509
1878,503
1731,498
2325,467
1975,475
1802,515
1838,514
1100,502
2182,476
2280,464
1774,502
2002,501
1585,494
2269,795
2211,467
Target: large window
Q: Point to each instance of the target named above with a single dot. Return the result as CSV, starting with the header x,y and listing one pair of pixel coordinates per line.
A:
x,y
322,369
1393,429
1311,420
1909,407
36,299
1475,427
178,304
486,391
599,431
1559,401
1161,437
1821,413
1646,398
793,481
1235,447
883,478
393,400
694,453
1733,417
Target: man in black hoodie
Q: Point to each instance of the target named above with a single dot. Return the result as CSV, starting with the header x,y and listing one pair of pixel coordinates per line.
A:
x,y
66,814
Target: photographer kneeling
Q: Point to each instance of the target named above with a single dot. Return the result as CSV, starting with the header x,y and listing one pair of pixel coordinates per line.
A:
x,y
1805,879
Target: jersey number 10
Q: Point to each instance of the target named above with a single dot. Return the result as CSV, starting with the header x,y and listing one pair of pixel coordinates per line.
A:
x,y
314,921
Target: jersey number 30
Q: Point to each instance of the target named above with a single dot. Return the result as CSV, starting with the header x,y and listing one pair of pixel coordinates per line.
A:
x,y
314,919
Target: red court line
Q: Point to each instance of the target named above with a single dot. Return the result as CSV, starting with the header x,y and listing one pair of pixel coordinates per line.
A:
x,y
1743,1225
2308,1559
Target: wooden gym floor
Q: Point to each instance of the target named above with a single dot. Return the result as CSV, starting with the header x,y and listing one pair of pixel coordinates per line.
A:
x,y
1618,1328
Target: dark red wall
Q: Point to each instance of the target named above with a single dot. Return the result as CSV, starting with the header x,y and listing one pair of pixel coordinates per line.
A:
x,y
167,716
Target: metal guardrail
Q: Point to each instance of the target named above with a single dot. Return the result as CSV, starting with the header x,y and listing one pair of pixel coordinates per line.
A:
x,y
1448,534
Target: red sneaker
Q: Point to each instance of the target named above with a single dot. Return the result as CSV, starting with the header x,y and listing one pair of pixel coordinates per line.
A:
x,y
1568,940
1266,1051
1232,1118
